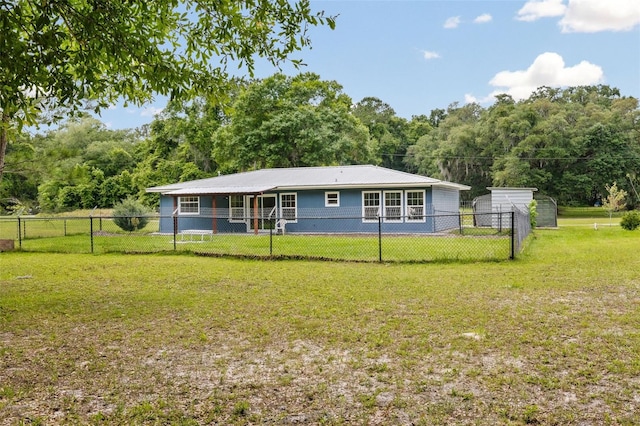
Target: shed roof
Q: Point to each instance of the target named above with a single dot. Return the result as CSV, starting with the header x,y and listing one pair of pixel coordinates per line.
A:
x,y
332,177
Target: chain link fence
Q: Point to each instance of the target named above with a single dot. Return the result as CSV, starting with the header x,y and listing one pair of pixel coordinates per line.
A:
x,y
438,237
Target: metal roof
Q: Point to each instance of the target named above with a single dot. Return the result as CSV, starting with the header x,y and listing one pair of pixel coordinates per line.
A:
x,y
221,190
332,177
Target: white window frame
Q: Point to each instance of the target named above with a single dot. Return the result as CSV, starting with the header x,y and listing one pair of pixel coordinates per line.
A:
x,y
284,209
328,201
395,217
183,201
408,207
365,218
234,209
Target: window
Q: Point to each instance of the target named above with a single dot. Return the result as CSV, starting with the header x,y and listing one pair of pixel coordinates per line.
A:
x,y
288,206
236,208
370,206
393,206
332,199
415,206
189,205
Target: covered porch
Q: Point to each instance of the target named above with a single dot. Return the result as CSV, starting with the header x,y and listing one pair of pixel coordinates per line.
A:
x,y
251,210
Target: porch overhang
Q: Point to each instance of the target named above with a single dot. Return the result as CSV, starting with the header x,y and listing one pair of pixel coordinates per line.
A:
x,y
223,190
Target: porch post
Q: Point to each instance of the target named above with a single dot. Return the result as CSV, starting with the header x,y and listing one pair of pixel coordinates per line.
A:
x,y
255,214
214,219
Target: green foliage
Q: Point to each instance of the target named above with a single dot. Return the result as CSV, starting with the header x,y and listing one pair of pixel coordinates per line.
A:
x,y
630,220
390,135
56,56
291,122
533,213
103,51
130,215
567,143
615,199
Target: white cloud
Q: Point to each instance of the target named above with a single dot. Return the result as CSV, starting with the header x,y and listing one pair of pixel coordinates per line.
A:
x,y
548,69
452,22
585,16
483,19
471,99
589,16
150,111
430,55
536,9
112,107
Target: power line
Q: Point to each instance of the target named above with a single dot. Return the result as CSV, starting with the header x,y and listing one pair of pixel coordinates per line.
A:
x,y
448,157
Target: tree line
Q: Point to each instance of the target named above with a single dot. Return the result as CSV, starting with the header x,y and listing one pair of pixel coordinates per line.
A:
x,y
569,143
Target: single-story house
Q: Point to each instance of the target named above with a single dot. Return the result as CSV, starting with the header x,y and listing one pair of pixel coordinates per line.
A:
x,y
339,199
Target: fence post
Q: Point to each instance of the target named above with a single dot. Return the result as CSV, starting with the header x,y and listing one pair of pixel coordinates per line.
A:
x,y
460,222
175,231
379,238
513,236
91,231
19,232
65,227
271,237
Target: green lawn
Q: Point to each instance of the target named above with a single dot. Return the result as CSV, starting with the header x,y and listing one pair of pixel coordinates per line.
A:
x,y
350,248
551,338
72,235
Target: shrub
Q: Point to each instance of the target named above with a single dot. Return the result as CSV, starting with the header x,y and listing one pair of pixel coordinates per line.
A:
x,y
130,215
630,220
533,213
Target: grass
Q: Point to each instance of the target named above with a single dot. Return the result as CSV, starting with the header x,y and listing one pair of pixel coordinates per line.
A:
x,y
72,235
586,213
551,338
590,217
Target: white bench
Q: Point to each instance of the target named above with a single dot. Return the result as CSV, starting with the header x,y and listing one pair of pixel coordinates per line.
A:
x,y
192,232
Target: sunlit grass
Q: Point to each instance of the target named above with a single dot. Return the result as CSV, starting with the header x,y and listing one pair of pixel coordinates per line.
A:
x,y
408,248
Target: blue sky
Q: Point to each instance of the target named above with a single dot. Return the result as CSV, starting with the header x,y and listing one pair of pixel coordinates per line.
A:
x,y
425,54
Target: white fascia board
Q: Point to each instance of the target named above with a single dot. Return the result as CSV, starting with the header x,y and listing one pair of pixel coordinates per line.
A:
x,y
452,185
355,186
220,190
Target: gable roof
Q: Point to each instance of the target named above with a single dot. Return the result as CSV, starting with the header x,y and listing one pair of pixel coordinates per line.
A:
x,y
300,178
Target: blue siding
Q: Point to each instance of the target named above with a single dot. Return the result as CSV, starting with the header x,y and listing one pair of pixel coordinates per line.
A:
x,y
166,210
312,215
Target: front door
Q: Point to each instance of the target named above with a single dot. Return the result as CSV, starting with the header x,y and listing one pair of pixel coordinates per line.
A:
x,y
266,206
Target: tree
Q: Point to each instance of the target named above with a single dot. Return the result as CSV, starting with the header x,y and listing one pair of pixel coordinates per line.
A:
x,y
184,131
615,200
389,133
71,163
291,122
61,54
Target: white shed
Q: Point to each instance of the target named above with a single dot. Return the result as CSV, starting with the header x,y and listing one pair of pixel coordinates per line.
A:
x,y
508,199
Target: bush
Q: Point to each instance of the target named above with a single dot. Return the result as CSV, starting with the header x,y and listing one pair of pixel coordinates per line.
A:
x,y
130,215
533,213
630,220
